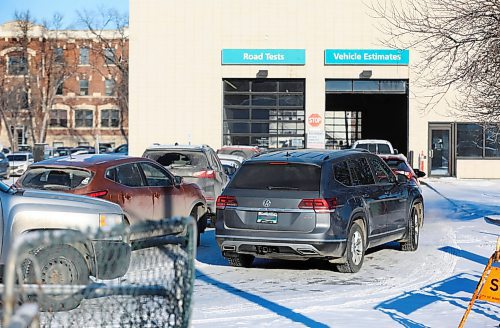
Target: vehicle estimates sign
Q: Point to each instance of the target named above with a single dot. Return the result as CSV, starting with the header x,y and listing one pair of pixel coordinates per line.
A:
x,y
263,56
366,57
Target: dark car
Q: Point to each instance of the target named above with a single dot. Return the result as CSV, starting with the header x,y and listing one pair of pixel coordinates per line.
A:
x,y
399,164
307,204
195,163
144,189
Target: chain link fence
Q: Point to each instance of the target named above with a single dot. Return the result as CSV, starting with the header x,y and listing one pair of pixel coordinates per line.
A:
x,y
101,278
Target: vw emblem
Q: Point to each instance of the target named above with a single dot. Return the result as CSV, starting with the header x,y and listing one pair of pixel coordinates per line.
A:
x,y
266,203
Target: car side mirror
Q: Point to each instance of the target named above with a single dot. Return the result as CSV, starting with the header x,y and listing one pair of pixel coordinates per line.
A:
x,y
178,180
419,174
401,178
395,151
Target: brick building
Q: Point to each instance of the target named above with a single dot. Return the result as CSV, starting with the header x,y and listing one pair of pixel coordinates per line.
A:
x,y
81,99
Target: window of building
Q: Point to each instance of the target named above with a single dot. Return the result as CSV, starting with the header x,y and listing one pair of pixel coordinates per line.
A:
x,y
84,56
478,140
342,128
84,118
59,55
58,118
109,56
366,86
18,65
268,113
110,87
110,118
469,140
492,141
60,89
84,87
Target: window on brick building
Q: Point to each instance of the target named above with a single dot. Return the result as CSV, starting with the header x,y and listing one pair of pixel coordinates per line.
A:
x,y
110,87
58,118
60,89
110,118
109,56
84,56
59,55
84,118
18,65
84,87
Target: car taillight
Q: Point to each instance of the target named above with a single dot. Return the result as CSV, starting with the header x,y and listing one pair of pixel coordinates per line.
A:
x,y
98,194
207,174
223,201
318,204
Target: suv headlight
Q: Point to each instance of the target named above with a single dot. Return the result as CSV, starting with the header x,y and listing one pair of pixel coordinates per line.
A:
x,y
109,220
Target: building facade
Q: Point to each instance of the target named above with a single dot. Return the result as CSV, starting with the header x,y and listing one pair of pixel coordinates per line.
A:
x,y
80,99
288,73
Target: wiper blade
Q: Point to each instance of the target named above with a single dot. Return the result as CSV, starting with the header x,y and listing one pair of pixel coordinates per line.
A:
x,y
281,188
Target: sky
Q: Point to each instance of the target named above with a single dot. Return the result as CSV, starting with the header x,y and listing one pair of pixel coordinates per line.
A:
x,y
45,9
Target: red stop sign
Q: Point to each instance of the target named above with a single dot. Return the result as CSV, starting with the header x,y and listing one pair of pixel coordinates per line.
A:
x,y
314,120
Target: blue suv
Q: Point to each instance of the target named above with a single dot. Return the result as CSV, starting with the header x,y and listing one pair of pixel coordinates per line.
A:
x,y
303,204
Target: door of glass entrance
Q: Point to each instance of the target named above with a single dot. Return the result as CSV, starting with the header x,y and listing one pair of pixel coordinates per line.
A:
x,y
439,151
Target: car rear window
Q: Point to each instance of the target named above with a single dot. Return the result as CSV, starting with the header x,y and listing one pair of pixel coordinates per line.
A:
x,y
277,176
177,158
384,149
398,165
56,179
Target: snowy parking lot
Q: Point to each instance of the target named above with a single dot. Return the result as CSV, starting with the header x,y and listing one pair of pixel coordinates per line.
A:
x,y
428,288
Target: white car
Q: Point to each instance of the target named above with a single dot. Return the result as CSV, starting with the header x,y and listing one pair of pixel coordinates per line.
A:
x,y
375,146
19,162
230,163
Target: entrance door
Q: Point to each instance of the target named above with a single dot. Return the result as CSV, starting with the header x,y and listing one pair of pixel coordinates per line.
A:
x,y
440,163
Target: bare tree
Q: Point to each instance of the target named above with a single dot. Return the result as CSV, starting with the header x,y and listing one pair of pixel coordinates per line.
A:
x,y
28,87
110,28
459,46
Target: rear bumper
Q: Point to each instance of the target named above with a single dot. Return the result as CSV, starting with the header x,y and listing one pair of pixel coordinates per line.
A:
x,y
282,248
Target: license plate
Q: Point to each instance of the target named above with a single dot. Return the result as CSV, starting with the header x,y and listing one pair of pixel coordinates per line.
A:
x,y
267,217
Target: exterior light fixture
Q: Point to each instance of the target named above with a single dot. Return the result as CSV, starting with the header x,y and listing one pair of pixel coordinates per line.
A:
x,y
366,74
262,73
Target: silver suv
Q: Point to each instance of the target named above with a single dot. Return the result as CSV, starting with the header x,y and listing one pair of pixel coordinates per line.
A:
x,y
195,164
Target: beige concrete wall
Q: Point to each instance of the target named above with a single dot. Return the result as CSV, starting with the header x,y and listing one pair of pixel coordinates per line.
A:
x,y
176,72
478,169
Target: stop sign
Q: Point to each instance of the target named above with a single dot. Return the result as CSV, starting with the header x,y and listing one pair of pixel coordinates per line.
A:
x,y
314,120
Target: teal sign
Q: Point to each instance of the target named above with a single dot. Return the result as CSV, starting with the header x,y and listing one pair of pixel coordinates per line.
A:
x,y
366,57
263,56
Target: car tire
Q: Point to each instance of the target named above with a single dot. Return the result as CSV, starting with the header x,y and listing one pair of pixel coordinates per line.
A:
x,y
201,224
60,264
241,260
413,232
355,250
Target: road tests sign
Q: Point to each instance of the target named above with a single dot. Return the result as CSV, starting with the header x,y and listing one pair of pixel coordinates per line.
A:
x,y
491,289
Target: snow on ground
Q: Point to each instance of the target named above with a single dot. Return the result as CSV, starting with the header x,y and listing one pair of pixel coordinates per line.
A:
x,y
427,288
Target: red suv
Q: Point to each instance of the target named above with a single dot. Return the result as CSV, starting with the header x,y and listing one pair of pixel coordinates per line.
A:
x,y
399,164
143,188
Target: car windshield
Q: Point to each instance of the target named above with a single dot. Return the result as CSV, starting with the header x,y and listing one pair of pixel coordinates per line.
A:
x,y
177,158
17,158
277,176
56,178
